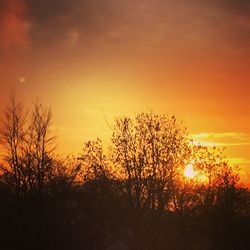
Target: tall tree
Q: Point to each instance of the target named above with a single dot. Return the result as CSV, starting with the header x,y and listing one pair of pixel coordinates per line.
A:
x,y
147,152
12,137
27,146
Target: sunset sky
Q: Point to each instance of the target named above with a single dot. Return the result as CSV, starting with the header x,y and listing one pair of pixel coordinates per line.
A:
x,y
92,60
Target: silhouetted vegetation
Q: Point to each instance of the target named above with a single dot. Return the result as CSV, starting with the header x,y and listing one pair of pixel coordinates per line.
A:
x,y
132,196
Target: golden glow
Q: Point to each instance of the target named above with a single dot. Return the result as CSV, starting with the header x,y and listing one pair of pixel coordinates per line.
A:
x,y
202,178
189,171
142,62
195,175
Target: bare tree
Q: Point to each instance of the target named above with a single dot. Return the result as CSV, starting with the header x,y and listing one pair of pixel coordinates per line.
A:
x,y
94,162
147,152
27,146
40,145
214,184
12,135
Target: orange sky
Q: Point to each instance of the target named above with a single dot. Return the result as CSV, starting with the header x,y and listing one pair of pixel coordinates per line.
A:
x,y
93,60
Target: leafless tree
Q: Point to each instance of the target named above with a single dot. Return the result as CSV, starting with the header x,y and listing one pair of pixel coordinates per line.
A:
x,y
147,152
221,178
94,162
27,146
13,132
214,183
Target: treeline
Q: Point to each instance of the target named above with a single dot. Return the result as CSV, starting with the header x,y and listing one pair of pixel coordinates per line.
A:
x,y
132,196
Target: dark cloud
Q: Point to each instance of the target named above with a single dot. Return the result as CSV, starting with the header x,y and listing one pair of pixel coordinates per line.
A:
x,y
13,27
236,23
241,7
140,24
53,20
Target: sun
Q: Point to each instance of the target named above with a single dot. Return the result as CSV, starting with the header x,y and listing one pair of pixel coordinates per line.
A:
x,y
189,171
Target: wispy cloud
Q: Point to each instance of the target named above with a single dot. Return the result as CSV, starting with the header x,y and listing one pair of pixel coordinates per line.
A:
x,y
220,144
232,135
221,139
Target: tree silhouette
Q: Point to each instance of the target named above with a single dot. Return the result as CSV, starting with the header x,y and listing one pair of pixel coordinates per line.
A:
x,y
221,178
147,152
27,147
134,195
94,161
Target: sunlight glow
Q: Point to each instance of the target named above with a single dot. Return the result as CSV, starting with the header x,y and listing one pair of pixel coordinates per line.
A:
x,y
189,171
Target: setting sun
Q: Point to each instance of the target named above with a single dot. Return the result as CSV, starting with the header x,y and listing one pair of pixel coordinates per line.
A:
x,y
189,171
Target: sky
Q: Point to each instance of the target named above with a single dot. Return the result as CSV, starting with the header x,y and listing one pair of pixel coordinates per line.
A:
x,y
93,60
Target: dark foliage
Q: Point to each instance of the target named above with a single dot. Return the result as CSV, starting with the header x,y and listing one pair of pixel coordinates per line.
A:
x,y
134,197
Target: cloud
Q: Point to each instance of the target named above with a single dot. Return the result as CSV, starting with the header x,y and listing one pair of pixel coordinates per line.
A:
x,y
241,7
14,28
53,20
220,144
238,20
132,23
221,139
49,22
232,135
22,79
